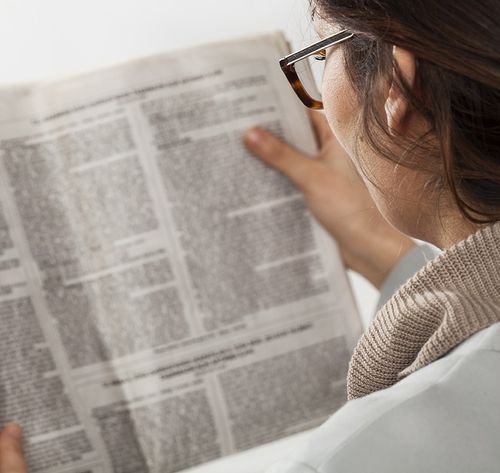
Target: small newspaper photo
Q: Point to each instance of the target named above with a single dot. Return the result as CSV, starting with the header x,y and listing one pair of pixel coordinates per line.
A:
x,y
166,299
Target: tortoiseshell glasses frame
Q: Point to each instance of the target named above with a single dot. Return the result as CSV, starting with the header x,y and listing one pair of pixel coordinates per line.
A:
x,y
319,48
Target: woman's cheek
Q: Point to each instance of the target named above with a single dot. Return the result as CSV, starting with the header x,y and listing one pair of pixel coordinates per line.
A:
x,y
339,103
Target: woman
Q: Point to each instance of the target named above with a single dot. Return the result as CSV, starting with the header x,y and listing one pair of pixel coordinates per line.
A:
x,y
411,92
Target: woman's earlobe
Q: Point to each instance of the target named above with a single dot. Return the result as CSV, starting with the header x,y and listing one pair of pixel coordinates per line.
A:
x,y
396,104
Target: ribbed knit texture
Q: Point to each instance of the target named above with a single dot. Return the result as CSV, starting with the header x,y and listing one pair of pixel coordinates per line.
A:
x,y
451,298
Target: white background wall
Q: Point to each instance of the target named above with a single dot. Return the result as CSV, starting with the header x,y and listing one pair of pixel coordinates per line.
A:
x,y
44,39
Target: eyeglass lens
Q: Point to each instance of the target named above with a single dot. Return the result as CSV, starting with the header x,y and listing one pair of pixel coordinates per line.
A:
x,y
310,72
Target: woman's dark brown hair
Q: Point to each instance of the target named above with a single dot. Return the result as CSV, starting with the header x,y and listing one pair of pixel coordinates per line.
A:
x,y
457,46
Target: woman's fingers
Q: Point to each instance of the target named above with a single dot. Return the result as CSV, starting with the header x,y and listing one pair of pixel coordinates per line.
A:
x,y
299,168
321,127
11,451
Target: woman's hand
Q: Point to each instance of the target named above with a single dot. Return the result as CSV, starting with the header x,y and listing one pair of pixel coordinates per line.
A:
x,y
11,451
338,198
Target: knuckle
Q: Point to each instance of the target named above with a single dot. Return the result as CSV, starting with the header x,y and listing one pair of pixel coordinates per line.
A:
x,y
277,147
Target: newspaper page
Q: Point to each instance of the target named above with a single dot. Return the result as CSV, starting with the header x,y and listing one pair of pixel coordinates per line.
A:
x,y
165,297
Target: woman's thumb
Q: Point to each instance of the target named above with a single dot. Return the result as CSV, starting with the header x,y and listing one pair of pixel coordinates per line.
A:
x,y
292,163
11,451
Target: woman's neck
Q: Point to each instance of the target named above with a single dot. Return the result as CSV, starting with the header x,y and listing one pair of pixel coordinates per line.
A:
x,y
449,229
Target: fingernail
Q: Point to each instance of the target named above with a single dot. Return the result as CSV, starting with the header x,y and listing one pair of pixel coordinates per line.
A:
x,y
12,430
254,137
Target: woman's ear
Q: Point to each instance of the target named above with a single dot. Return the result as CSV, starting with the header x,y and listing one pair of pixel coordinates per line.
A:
x,y
396,105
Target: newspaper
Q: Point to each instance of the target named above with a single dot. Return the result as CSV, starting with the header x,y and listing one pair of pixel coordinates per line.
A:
x,y
165,298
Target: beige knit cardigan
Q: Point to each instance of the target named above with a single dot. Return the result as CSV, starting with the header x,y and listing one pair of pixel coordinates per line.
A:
x,y
451,298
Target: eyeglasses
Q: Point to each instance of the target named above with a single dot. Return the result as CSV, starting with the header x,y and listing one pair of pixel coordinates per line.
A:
x,y
303,68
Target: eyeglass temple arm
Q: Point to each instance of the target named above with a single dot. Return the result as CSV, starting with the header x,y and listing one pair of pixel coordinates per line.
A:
x,y
315,48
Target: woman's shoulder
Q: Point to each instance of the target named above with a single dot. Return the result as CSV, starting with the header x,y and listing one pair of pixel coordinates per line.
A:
x,y
444,417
